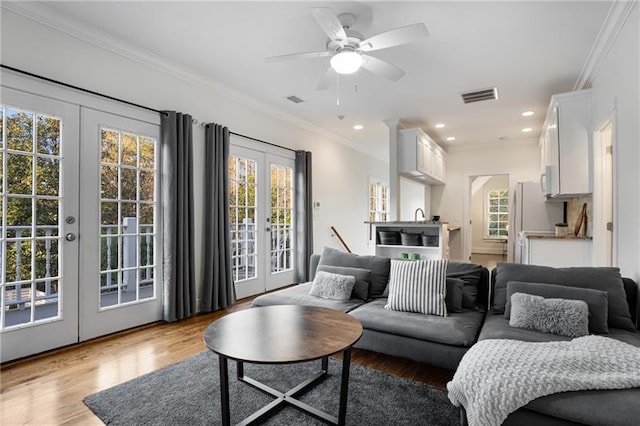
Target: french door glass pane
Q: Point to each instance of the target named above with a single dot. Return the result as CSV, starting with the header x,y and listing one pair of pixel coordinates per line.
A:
x,y
281,218
30,203
127,205
242,215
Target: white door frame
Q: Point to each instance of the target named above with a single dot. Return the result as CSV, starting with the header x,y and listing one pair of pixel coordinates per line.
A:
x,y
604,241
466,214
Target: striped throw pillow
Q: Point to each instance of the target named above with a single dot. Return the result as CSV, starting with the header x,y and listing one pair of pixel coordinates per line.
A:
x,y
418,286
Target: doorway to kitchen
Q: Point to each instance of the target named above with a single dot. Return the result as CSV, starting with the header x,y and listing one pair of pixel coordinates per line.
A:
x,y
486,216
604,232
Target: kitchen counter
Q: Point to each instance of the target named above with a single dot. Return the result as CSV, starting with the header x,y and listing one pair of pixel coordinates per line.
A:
x,y
550,236
408,222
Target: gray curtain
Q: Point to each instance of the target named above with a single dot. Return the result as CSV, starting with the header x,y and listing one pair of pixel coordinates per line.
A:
x,y
304,215
176,141
217,289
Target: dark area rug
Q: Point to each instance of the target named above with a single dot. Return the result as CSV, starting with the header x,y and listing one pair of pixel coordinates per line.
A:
x,y
188,393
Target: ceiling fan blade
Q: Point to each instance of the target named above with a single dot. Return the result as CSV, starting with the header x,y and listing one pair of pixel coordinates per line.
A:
x,y
330,24
297,56
394,37
324,82
382,68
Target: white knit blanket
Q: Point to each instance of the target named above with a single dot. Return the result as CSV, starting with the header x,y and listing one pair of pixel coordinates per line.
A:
x,y
496,377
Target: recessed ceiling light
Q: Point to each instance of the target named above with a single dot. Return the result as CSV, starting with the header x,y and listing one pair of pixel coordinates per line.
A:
x,y
439,125
527,130
528,113
358,127
451,138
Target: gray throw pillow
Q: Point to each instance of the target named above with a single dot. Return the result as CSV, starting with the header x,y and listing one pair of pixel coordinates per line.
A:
x,y
557,316
453,297
471,275
418,286
362,276
596,300
332,286
600,278
379,267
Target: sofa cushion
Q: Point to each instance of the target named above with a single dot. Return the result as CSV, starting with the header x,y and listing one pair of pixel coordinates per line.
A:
x,y
558,316
299,295
332,286
595,407
418,286
596,300
457,329
604,279
453,298
471,275
497,327
379,267
362,276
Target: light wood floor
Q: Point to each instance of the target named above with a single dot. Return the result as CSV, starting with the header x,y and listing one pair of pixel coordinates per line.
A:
x,y
48,389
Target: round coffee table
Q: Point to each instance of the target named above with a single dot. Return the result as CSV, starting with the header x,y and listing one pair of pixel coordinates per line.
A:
x,y
283,334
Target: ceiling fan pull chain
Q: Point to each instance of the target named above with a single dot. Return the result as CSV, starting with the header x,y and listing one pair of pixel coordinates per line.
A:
x,y
337,89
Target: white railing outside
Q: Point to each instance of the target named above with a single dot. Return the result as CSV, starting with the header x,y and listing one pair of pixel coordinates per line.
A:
x,y
20,296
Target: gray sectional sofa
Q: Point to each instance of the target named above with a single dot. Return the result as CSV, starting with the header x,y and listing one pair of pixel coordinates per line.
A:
x,y
594,407
442,341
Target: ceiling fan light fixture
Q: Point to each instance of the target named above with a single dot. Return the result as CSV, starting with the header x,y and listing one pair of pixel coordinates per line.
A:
x,y
346,61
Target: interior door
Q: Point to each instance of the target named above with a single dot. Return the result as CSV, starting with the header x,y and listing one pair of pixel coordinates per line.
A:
x,y
120,253
39,205
261,213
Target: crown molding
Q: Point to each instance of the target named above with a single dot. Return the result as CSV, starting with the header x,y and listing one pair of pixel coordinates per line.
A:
x,y
40,12
613,23
489,145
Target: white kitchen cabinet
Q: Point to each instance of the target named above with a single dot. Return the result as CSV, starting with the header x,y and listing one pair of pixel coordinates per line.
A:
x,y
420,158
558,252
565,144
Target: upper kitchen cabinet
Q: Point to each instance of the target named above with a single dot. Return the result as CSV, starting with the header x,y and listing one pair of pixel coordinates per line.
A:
x,y
420,158
565,144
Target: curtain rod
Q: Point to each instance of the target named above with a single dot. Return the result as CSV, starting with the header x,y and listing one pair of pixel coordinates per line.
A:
x,y
71,86
261,141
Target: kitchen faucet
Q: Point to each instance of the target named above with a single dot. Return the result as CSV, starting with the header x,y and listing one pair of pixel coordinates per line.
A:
x,y
415,215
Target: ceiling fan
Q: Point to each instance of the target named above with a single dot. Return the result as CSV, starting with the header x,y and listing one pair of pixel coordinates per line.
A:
x,y
348,49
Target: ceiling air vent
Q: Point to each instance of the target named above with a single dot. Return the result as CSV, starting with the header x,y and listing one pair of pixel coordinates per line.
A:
x,y
295,99
480,95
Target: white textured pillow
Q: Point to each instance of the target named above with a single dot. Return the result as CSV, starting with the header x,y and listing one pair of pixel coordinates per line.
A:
x,y
418,286
565,317
332,286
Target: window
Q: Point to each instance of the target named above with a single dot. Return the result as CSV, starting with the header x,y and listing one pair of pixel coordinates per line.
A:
x,y
497,214
378,201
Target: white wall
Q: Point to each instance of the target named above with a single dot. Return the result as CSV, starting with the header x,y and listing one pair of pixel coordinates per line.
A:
x,y
339,172
616,86
521,162
478,206
412,197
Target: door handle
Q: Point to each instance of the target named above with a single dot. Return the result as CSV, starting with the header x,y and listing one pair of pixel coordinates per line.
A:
x,y
268,229
70,236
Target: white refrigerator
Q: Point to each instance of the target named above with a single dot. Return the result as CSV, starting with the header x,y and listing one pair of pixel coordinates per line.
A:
x,y
531,212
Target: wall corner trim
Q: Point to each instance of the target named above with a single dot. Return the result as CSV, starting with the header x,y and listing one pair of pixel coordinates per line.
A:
x,y
613,23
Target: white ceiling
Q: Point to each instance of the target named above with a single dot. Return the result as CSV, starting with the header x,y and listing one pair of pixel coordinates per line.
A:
x,y
530,50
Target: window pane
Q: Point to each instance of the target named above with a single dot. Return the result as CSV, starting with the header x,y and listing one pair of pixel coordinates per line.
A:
x,y
48,135
19,130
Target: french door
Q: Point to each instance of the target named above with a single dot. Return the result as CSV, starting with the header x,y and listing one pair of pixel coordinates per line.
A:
x,y
120,222
39,189
79,244
261,212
